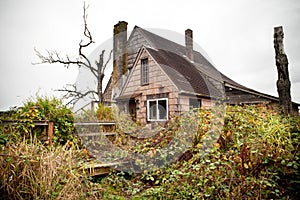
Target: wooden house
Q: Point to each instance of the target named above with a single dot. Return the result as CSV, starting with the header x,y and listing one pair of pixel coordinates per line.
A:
x,y
155,78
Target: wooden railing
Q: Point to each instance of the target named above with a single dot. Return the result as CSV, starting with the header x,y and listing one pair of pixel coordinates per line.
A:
x,y
100,124
47,124
92,168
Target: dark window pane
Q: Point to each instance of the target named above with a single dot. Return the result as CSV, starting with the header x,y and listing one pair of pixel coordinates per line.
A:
x,y
152,110
194,103
162,109
145,71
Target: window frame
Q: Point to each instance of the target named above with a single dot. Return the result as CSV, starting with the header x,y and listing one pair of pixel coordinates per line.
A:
x,y
157,110
194,100
144,73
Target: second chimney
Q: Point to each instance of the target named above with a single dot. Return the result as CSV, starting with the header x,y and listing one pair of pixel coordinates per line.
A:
x,y
120,50
189,44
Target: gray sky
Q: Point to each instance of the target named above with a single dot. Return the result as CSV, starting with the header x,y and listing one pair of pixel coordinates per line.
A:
x,y
236,34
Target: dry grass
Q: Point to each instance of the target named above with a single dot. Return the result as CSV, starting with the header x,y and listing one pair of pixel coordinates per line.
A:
x,y
29,170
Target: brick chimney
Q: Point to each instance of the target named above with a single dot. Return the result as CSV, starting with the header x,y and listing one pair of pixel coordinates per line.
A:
x,y
120,65
189,44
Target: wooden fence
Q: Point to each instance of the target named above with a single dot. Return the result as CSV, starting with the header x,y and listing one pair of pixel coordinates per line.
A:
x,y
47,124
93,168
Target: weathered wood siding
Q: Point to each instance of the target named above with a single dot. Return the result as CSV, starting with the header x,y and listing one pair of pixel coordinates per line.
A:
x,y
158,81
135,42
184,103
159,86
207,103
107,94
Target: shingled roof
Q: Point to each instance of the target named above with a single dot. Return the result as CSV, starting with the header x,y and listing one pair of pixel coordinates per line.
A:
x,y
159,42
184,74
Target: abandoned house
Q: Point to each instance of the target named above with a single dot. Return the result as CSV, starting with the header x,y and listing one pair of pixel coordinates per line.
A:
x,y
154,78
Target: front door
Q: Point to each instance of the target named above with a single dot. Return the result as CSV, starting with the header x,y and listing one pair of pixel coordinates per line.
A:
x,y
132,109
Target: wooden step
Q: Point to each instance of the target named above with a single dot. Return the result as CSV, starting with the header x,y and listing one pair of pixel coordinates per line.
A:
x,y
96,134
96,169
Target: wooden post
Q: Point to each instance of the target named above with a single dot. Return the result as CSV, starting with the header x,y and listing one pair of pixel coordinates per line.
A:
x,y
50,132
283,82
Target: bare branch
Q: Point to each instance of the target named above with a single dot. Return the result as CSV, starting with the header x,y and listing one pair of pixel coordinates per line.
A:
x,y
99,63
54,57
110,53
82,61
71,91
75,94
82,45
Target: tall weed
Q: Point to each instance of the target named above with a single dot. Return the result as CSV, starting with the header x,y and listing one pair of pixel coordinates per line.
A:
x,y
29,170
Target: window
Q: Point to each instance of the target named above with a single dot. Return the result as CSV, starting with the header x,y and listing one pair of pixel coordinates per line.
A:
x,y
194,103
144,71
157,109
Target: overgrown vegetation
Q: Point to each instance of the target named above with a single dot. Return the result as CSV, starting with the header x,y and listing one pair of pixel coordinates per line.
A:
x,y
30,170
255,156
46,109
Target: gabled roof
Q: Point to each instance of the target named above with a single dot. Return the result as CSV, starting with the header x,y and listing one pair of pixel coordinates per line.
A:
x,y
159,42
201,63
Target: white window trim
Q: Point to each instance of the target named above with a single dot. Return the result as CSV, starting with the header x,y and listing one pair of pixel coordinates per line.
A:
x,y
157,113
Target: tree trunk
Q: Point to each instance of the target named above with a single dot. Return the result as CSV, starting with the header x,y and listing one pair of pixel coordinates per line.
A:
x,y
100,77
283,82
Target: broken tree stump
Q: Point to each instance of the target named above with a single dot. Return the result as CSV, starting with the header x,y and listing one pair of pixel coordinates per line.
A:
x,y
283,82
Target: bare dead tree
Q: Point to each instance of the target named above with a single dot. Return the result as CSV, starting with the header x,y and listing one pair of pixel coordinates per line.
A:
x,y
283,82
71,90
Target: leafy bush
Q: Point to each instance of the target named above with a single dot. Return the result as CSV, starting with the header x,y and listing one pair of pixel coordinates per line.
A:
x,y
86,116
105,113
48,109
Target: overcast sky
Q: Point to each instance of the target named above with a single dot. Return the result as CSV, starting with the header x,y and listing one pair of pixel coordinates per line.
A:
x,y
236,34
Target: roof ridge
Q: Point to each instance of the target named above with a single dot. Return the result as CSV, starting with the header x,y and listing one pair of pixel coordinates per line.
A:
x,y
182,48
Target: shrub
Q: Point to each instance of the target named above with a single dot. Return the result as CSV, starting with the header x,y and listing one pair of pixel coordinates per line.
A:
x,y
105,113
49,109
